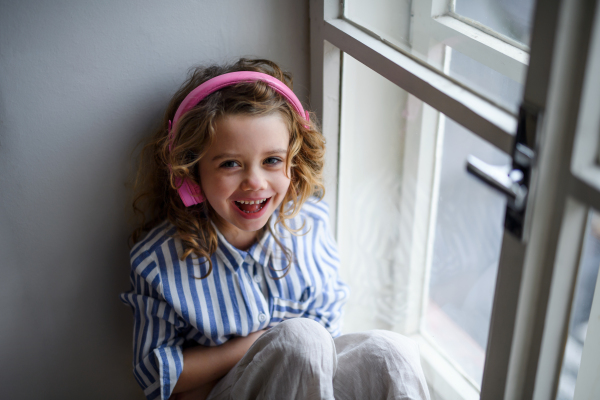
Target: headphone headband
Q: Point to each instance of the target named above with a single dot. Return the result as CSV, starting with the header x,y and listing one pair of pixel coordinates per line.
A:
x,y
189,192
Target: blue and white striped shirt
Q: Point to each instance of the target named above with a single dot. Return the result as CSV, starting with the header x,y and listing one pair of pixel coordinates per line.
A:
x,y
172,307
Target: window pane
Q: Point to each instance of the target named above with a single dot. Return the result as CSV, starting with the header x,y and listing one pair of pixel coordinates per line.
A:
x,y
373,120
390,18
410,27
485,80
580,310
419,238
511,18
466,250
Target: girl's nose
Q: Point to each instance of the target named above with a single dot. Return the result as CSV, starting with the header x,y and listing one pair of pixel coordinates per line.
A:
x,y
253,181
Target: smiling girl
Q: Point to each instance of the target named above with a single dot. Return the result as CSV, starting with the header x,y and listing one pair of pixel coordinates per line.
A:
x,y
234,272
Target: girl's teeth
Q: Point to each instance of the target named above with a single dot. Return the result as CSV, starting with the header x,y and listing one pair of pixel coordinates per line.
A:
x,y
252,202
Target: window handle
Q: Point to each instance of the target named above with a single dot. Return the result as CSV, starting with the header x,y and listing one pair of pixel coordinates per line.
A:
x,y
505,179
514,180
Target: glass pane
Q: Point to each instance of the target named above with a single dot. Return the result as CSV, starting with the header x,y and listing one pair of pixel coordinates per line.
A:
x,y
485,80
412,224
511,18
369,191
466,250
580,311
409,26
390,18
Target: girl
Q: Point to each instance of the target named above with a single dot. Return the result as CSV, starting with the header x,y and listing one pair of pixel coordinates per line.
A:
x,y
235,287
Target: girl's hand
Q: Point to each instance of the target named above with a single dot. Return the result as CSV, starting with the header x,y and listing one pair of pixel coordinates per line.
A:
x,y
208,365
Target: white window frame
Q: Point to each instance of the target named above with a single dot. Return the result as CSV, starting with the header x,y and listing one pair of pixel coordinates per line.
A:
x,y
478,114
579,183
527,333
433,21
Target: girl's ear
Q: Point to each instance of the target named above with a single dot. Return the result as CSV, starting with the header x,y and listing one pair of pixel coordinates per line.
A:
x,y
190,193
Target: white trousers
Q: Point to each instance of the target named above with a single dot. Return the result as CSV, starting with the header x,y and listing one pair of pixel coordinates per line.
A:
x,y
298,359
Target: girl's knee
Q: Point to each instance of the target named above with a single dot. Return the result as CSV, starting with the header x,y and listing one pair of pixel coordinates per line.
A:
x,y
380,364
303,329
395,343
395,347
303,338
386,348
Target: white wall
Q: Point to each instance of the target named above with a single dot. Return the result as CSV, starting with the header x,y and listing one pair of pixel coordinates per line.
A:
x,y
81,82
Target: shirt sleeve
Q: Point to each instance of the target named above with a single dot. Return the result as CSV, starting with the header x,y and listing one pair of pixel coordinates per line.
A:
x,y
157,339
327,306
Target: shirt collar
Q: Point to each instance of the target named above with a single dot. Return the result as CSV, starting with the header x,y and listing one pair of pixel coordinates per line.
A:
x,y
233,257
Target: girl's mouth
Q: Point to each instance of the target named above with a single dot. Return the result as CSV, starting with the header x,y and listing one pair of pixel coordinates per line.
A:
x,y
251,207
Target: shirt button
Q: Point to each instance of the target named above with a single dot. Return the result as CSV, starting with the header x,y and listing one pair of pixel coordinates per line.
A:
x,y
262,317
257,278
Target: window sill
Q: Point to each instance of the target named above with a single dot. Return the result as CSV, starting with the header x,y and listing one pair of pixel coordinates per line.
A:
x,y
444,381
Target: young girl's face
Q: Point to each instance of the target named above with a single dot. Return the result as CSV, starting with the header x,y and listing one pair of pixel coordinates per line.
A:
x,y
245,165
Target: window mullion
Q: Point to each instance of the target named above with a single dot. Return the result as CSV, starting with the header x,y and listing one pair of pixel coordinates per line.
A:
x,y
416,203
481,47
564,278
459,103
416,200
324,95
431,22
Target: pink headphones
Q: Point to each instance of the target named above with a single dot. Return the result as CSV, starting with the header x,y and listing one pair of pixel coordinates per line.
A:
x,y
189,192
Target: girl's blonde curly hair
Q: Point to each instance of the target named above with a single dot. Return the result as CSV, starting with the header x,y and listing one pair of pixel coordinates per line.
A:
x,y
155,191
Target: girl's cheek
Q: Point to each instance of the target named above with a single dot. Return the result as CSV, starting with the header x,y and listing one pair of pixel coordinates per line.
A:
x,y
225,182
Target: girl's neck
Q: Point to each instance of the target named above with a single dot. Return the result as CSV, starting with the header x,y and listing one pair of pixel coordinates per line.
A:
x,y
239,239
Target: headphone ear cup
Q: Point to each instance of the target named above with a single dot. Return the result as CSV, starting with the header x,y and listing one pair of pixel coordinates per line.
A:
x,y
189,192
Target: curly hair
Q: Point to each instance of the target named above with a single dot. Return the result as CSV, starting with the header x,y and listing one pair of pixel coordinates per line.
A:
x,y
155,191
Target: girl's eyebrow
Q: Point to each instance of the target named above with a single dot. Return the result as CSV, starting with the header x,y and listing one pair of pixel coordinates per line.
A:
x,y
225,155
236,155
276,151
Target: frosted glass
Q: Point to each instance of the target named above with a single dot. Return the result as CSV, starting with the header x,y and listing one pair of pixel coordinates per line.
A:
x,y
511,18
373,112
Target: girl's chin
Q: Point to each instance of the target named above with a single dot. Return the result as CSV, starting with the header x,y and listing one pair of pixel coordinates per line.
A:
x,y
247,224
250,228
252,225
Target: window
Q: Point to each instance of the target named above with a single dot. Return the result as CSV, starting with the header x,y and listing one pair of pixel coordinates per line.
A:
x,y
485,56
407,91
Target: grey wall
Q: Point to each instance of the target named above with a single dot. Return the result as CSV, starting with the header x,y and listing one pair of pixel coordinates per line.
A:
x,y
81,82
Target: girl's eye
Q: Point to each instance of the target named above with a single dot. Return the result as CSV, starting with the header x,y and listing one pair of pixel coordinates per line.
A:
x,y
272,160
229,164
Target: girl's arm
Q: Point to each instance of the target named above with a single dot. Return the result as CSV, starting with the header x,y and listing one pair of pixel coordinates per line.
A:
x,y
205,365
158,353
